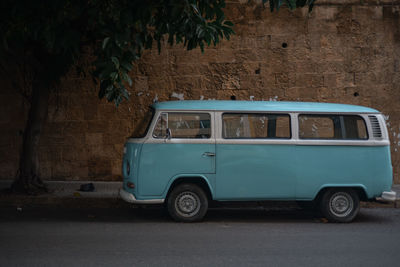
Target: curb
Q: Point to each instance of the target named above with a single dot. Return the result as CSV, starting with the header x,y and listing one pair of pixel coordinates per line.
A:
x,y
67,194
61,189
65,202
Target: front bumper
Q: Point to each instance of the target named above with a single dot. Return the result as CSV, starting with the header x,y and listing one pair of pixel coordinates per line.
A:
x,y
388,196
128,197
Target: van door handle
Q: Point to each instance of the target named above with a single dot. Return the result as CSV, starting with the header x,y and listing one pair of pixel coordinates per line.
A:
x,y
208,154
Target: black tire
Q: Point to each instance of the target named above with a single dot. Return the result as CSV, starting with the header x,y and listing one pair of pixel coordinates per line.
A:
x,y
340,205
187,203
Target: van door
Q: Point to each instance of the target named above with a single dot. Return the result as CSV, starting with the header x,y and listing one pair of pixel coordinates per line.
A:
x,y
182,143
255,157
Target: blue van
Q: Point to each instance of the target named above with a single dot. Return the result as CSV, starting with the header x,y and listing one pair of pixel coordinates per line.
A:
x,y
188,153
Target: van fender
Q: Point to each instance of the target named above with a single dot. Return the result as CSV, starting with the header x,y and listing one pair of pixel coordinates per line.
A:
x,y
189,178
324,187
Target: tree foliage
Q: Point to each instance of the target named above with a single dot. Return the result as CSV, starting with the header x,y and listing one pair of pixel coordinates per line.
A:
x,y
50,34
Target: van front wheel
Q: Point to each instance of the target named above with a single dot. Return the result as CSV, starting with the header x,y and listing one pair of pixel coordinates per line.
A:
x,y
187,203
340,205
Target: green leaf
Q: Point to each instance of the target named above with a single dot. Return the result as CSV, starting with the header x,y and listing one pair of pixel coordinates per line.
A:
x,y
291,4
207,38
104,72
115,61
125,93
105,42
126,65
300,3
201,44
195,8
104,87
114,75
228,23
126,78
149,42
102,92
200,31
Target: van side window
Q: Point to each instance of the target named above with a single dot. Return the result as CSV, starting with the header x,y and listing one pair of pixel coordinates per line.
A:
x,y
160,130
183,125
255,126
348,127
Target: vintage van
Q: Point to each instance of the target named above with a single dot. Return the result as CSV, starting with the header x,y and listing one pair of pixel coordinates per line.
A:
x,y
188,153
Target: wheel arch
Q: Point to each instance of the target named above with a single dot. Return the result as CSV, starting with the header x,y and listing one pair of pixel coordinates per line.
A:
x,y
359,189
198,180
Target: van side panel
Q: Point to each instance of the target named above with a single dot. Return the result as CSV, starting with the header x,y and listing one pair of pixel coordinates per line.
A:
x,y
319,166
255,171
383,179
161,162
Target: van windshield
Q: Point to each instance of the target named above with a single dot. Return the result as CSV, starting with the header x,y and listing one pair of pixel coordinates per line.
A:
x,y
142,126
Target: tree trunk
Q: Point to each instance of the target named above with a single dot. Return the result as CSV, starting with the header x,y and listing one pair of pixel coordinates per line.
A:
x,y
28,179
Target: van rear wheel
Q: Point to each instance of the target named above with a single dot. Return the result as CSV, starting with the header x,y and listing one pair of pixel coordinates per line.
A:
x,y
340,205
187,203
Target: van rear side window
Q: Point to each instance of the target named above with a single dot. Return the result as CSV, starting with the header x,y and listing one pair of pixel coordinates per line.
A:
x,y
255,126
339,127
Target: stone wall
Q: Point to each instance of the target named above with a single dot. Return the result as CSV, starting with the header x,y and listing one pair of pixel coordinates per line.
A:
x,y
344,51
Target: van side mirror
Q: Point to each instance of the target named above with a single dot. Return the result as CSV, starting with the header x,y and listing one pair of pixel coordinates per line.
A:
x,y
168,134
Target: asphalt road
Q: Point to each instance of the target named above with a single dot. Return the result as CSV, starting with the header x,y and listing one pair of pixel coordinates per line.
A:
x,y
124,236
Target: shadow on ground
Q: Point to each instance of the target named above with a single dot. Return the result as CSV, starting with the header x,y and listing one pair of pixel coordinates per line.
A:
x,y
129,214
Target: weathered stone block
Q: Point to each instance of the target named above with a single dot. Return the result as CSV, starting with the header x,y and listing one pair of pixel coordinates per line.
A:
x,y
75,113
306,66
66,170
391,12
90,112
73,127
330,80
308,92
8,170
328,13
281,79
292,93
322,27
77,139
74,153
97,126
54,129
99,167
45,170
249,82
116,167
94,139
325,93
188,82
141,83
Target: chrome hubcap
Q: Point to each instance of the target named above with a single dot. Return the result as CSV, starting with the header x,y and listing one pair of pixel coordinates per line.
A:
x,y
187,204
341,204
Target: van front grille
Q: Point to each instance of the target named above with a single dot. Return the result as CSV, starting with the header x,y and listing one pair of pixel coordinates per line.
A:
x,y
376,129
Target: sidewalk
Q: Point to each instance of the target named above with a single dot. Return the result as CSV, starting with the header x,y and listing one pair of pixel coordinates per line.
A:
x,y
105,194
66,193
